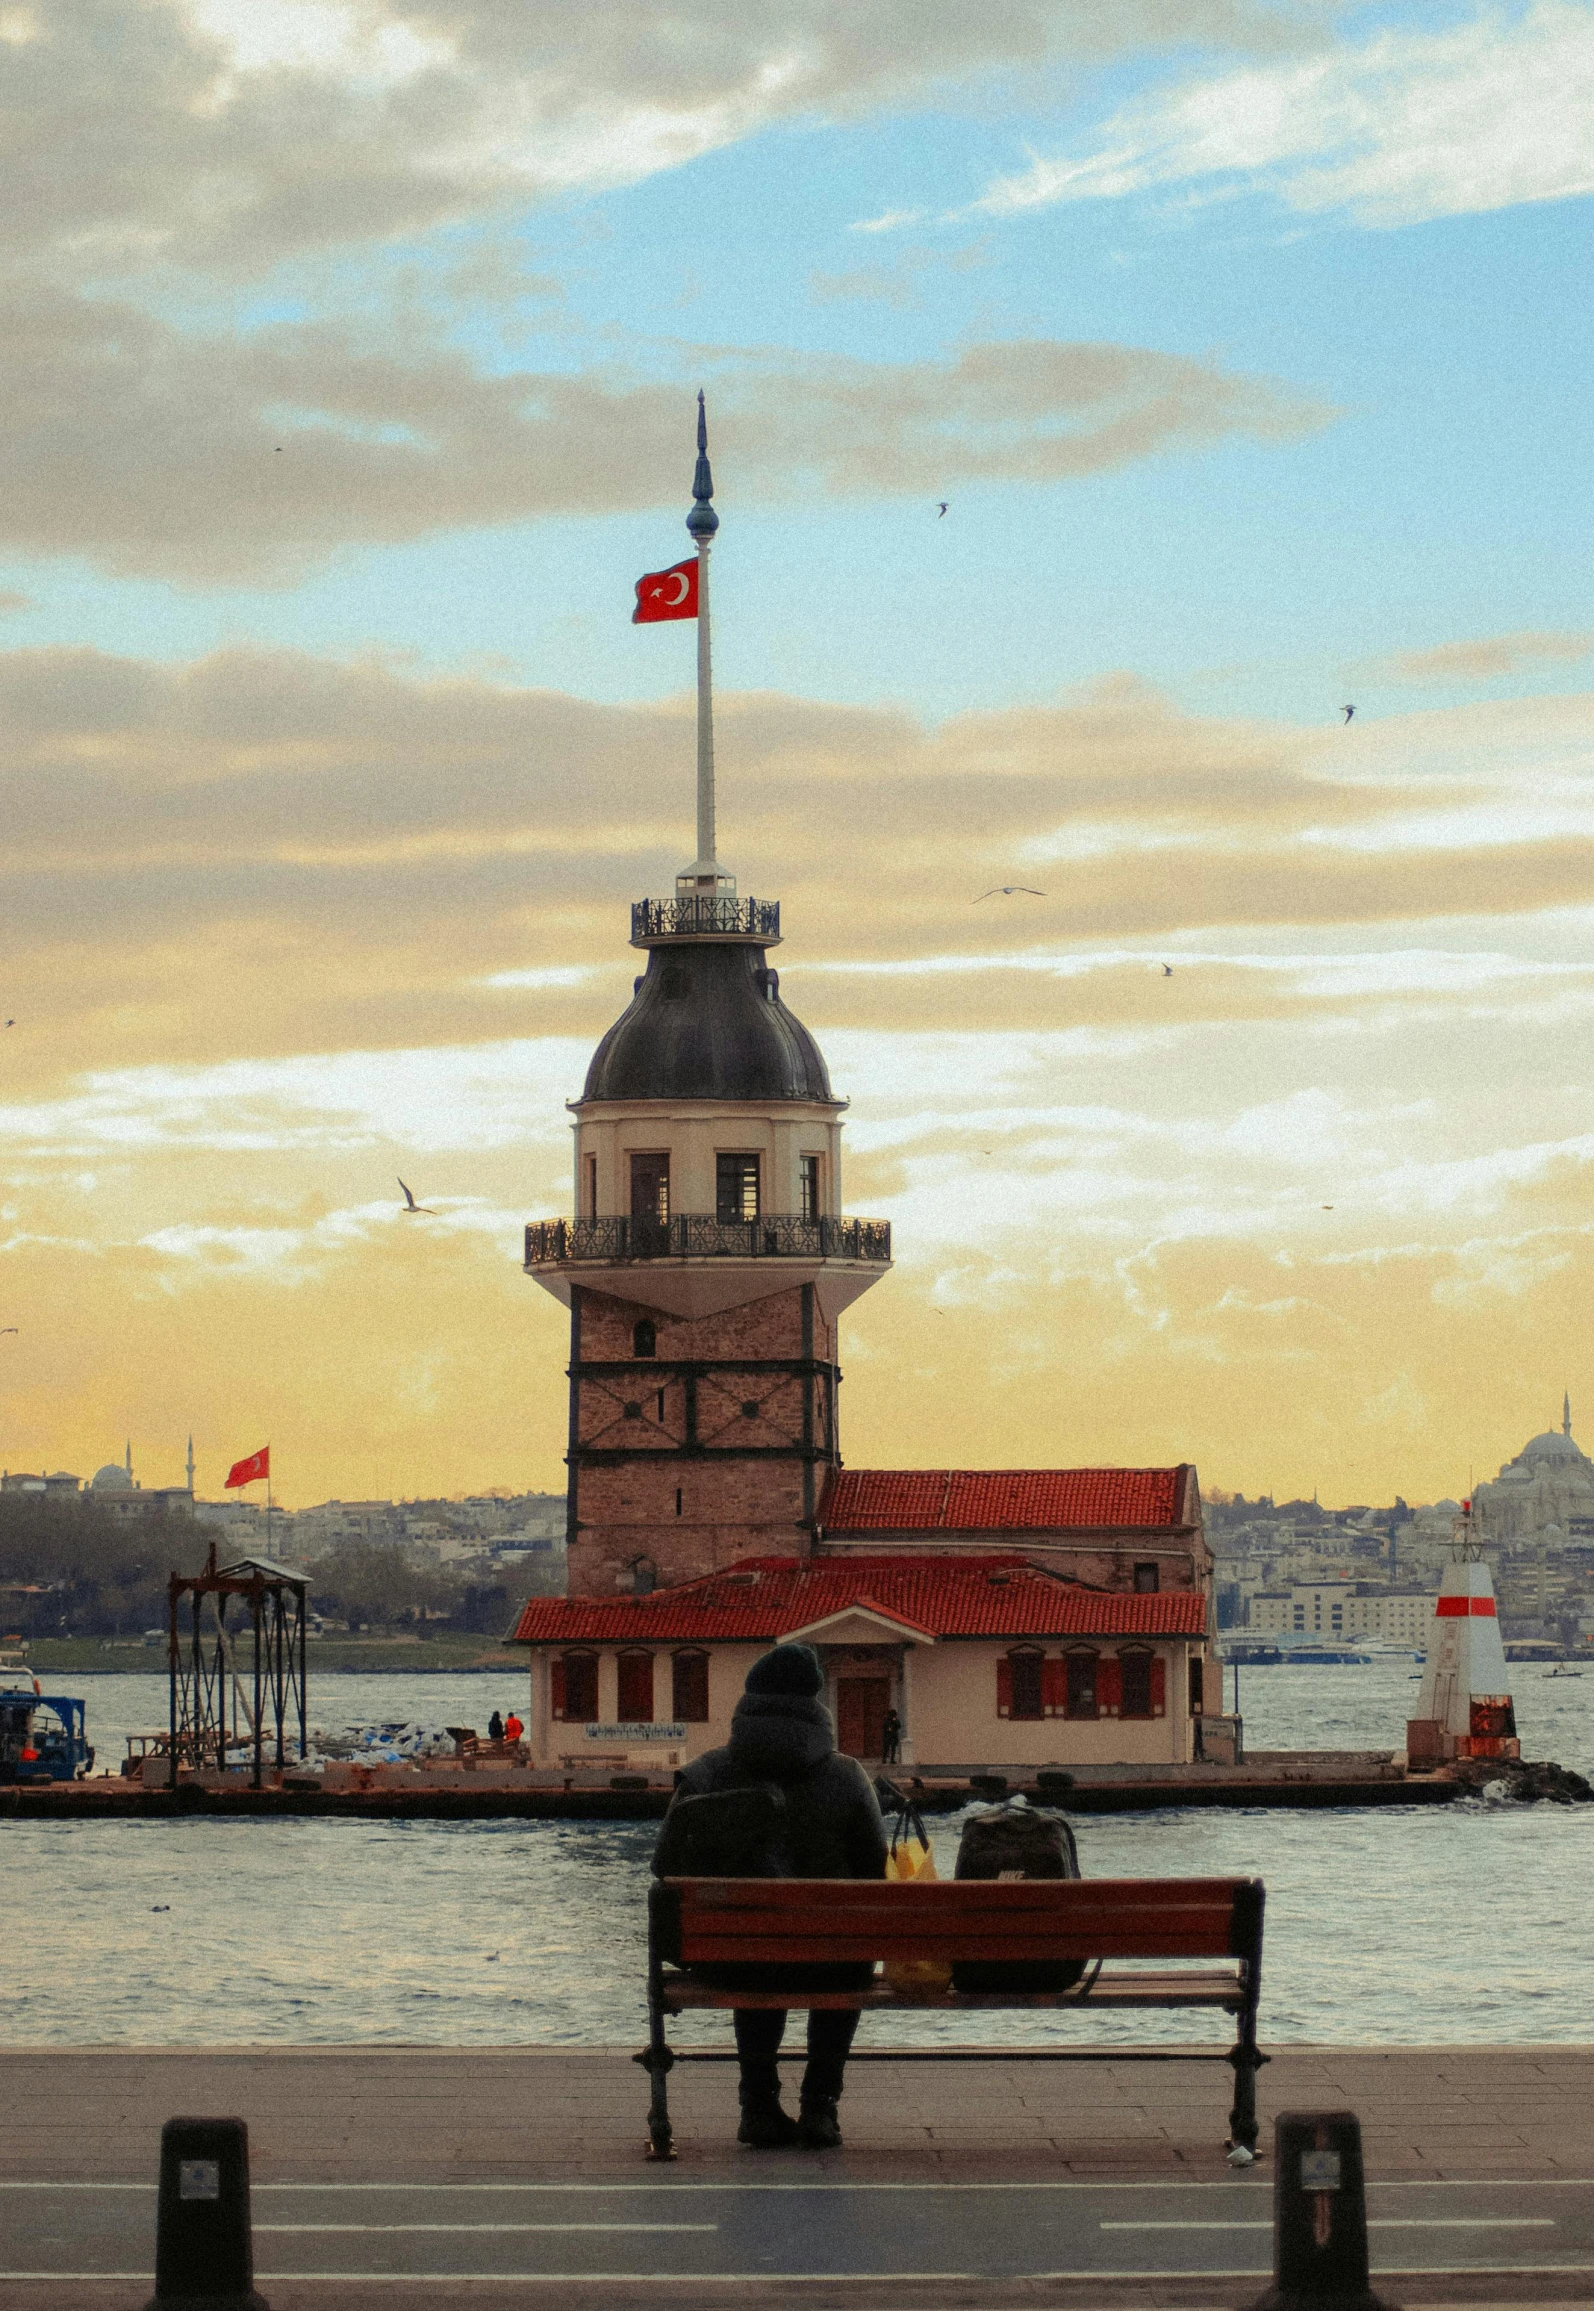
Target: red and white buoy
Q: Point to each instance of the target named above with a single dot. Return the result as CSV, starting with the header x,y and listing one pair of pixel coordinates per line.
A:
x,y
1464,1705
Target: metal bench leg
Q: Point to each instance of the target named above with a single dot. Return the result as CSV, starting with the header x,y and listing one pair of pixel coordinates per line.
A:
x,y
1242,2118
658,2062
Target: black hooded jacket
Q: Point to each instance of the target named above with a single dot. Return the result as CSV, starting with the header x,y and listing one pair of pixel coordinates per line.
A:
x,y
830,1826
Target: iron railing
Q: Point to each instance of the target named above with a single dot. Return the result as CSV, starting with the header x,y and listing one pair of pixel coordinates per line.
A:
x,y
698,1236
705,918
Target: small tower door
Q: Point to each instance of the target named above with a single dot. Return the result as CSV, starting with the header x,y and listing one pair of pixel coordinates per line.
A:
x,y
650,1204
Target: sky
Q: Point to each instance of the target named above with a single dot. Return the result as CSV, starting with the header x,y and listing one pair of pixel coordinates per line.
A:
x,y
351,358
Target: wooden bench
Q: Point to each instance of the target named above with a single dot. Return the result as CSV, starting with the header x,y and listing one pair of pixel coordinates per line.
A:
x,y
717,1922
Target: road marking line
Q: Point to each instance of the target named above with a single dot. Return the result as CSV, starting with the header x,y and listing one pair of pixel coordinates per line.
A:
x,y
463,2230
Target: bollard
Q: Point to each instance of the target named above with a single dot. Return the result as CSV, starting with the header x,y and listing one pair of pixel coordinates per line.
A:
x,y
1319,2216
204,2248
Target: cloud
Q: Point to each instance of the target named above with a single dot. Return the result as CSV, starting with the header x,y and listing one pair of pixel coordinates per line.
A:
x,y
889,221
213,458
1491,655
1402,126
232,134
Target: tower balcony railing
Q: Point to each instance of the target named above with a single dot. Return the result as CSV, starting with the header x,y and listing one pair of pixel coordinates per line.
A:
x,y
699,1236
697,918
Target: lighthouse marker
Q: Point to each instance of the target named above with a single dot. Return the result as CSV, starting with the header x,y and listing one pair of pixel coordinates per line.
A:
x,y
1464,1703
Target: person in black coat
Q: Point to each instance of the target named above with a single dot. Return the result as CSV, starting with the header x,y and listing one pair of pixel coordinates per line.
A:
x,y
826,1825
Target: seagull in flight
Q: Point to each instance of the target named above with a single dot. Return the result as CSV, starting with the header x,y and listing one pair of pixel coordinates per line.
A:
x,y
1006,891
1347,711
1167,970
940,508
1327,1207
414,1210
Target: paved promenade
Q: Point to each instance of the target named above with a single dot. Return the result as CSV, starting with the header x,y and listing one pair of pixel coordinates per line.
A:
x,y
448,2176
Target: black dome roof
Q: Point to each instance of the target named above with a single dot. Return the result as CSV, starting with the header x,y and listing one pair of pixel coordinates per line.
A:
x,y
707,1022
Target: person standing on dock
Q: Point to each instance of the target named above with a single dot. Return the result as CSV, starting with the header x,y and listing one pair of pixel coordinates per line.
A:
x,y
495,1727
513,1729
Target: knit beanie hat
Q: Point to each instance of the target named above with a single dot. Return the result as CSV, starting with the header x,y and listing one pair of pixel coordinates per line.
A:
x,y
789,1669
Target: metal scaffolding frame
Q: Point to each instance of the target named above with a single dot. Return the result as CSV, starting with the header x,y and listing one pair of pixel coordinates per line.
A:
x,y
221,1705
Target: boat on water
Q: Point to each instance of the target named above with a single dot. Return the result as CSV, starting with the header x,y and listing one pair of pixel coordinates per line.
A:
x,y
41,1734
1261,1656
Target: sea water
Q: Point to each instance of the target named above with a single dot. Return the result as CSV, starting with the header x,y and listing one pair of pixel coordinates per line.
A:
x,y
1398,1924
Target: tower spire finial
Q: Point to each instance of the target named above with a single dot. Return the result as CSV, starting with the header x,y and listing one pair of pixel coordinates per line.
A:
x,y
702,878
1566,1412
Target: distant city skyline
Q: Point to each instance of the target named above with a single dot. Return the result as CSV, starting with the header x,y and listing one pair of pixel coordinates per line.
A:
x,y
350,389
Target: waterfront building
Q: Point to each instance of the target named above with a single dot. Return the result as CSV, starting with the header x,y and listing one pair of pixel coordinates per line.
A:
x,y
1344,1609
706,1267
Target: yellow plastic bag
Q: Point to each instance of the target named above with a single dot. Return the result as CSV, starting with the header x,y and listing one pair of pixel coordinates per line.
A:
x,y
911,1862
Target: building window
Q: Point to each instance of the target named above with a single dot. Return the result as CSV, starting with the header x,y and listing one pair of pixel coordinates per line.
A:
x,y
689,1699
1147,1580
650,1187
590,1178
1023,1685
575,1688
645,1339
1134,1684
1198,1688
812,1207
1082,1685
736,1187
636,1687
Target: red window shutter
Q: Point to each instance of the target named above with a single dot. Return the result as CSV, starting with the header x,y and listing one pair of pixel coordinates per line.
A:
x,y
636,1688
1109,1686
558,1677
1004,1687
1054,1686
1159,1686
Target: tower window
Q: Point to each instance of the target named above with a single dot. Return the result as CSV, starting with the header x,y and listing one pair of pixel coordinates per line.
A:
x,y
677,1500
650,1187
590,1186
736,1187
809,1184
645,1339
1147,1580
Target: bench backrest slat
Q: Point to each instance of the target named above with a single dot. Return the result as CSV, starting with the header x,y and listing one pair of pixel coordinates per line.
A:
x,y
789,1921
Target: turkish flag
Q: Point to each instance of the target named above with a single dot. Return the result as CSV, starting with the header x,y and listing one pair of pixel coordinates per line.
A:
x,y
666,594
246,1471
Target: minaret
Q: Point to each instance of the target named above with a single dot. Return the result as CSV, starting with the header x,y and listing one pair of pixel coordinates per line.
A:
x,y
708,1261
190,1467
127,1460
1566,1412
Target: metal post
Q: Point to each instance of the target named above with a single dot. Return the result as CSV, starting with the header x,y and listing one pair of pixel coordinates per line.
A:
x,y
172,1661
256,1617
705,717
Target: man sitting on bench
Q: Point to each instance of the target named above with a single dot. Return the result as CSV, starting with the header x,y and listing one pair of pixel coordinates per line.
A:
x,y
779,1802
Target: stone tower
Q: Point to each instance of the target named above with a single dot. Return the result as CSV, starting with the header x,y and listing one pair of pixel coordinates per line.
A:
x,y
708,1261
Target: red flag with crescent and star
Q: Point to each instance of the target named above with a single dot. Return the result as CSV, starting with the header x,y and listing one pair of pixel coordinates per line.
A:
x,y
246,1471
666,594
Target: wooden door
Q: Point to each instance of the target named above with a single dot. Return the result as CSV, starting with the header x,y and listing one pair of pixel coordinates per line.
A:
x,y
861,1705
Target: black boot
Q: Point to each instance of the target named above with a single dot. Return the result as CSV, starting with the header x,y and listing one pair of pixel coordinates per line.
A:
x,y
765,2126
819,2127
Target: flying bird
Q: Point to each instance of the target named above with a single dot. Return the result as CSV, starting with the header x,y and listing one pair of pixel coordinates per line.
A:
x,y
1347,711
1006,891
1167,970
1327,1207
940,508
411,1207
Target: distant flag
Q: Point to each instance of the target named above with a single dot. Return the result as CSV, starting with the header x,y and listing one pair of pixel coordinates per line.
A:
x,y
248,1471
666,594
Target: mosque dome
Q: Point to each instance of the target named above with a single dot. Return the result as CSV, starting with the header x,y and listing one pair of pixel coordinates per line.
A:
x,y
707,1022
1552,1447
112,1478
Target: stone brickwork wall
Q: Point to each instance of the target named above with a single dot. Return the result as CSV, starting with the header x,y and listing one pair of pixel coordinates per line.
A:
x,y
673,1500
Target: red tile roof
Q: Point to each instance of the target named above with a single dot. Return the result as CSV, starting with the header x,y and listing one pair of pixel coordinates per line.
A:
x,y
760,1599
955,1500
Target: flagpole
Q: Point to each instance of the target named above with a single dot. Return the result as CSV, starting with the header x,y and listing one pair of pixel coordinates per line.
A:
x,y
702,522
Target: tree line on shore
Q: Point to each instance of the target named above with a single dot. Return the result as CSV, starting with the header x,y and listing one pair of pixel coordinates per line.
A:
x,y
73,1568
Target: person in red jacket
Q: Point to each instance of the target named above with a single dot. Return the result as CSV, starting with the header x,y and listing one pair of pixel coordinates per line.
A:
x,y
513,1729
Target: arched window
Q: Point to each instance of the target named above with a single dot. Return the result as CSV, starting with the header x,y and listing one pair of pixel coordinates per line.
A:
x,y
1018,1683
645,1339
1134,1684
689,1683
1082,1666
575,1688
636,1687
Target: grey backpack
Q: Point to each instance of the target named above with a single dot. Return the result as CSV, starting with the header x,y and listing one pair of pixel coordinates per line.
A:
x,y
1017,1840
